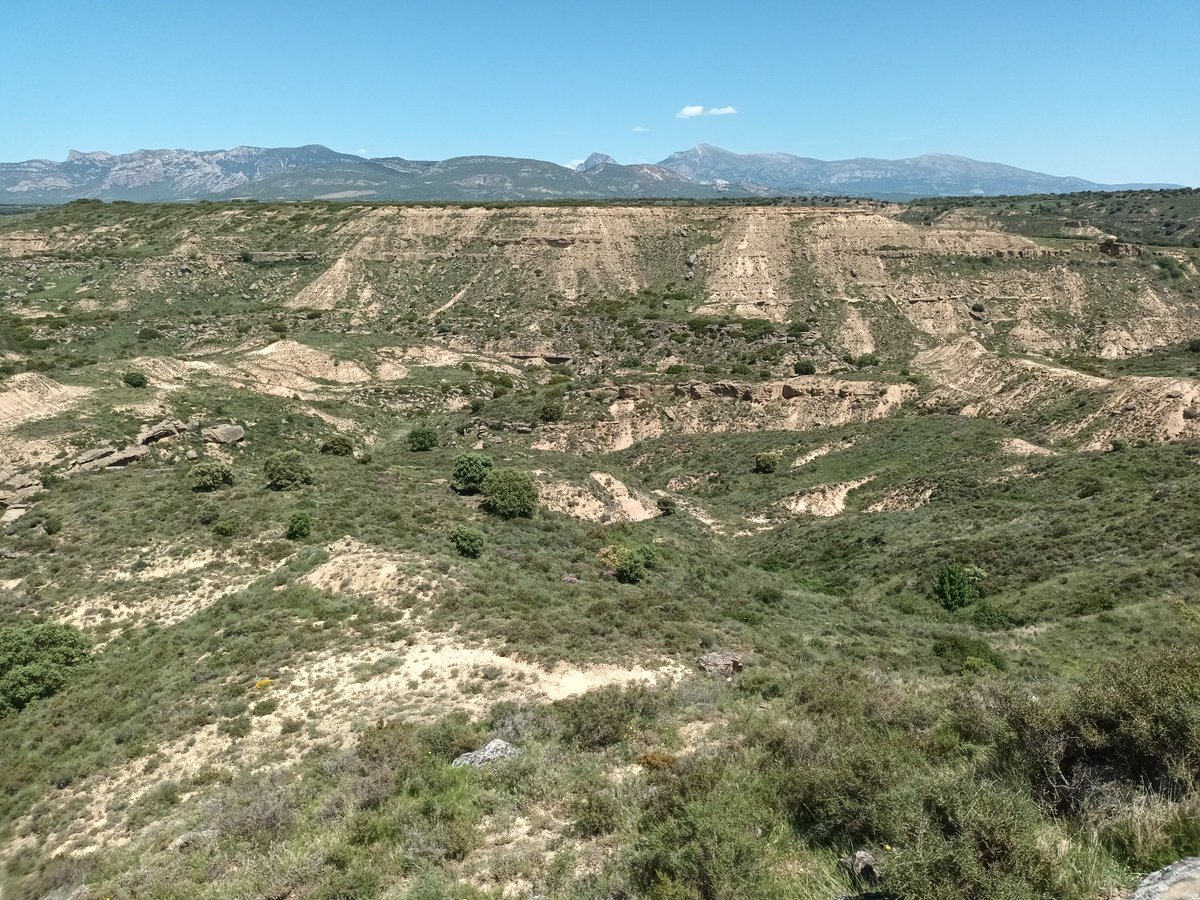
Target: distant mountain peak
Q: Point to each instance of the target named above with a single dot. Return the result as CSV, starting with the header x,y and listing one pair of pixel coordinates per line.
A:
x,y
314,171
92,156
595,161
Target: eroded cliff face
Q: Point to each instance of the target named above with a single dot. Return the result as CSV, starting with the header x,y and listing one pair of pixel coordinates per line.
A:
x,y
679,298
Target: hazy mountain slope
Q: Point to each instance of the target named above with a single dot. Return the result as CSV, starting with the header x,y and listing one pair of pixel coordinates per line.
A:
x,y
933,174
313,172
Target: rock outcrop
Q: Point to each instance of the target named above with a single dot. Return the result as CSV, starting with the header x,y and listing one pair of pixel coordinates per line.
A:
x,y
223,434
490,752
107,458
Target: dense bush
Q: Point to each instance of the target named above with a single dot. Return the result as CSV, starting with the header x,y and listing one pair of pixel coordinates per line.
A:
x,y
134,379
36,660
299,525
667,506
338,445
606,716
966,654
956,585
470,470
632,563
226,526
766,463
422,438
552,409
208,513
467,540
805,367
210,475
1137,722
287,471
510,494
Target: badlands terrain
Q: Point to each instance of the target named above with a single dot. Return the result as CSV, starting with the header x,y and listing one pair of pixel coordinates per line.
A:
x,y
863,558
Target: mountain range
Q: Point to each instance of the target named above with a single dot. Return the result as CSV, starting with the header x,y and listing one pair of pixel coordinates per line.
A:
x,y
316,172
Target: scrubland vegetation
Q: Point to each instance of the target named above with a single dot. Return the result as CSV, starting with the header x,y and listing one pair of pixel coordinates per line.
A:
x,y
964,606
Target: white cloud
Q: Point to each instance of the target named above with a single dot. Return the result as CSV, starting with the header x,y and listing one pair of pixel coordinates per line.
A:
x,y
640,129
690,112
574,164
361,152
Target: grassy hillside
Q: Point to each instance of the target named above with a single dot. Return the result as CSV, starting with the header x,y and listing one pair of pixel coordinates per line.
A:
x,y
1165,218
934,485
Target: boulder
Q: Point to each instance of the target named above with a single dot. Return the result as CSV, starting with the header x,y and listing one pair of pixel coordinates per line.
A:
x,y
721,663
164,429
223,434
94,455
491,752
108,457
1177,881
861,864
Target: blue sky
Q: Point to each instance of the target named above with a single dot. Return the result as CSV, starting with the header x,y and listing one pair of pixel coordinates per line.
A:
x,y
1103,90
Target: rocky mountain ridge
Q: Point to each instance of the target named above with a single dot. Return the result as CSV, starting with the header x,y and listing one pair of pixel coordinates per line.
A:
x,y
314,172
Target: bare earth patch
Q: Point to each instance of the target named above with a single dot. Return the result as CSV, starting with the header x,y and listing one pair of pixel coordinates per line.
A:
x,y
826,500
605,499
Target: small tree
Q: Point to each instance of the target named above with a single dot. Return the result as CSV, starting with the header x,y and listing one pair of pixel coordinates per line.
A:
x,y
510,493
467,540
470,469
134,379
805,367
632,564
299,525
957,585
552,409
287,471
338,445
36,660
422,438
210,475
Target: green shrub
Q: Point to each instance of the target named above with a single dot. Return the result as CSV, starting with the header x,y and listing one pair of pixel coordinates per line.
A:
x,y
470,470
210,475
1194,345
805,367
287,471
299,525
986,617
36,660
960,654
208,513
134,379
606,716
956,585
510,494
1136,723
467,540
768,462
422,438
632,563
552,410
338,445
667,506
226,526
595,809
